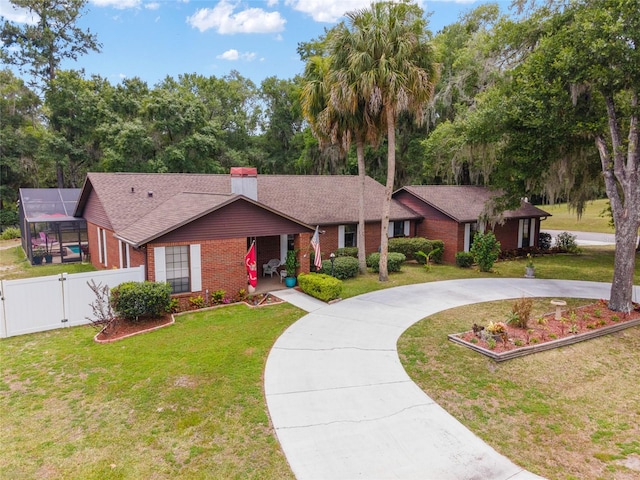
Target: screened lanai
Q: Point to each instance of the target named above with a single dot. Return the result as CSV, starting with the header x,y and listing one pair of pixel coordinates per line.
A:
x,y
50,233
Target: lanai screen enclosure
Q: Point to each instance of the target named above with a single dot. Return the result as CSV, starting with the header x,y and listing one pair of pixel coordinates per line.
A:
x,y
48,228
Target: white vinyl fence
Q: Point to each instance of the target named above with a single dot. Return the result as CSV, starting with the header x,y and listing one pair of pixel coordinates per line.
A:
x,y
44,303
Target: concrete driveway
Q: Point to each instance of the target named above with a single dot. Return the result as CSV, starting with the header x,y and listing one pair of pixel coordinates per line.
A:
x,y
342,405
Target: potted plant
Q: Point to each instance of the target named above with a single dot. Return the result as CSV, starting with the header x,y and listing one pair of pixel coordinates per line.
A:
x,y
48,257
290,265
529,269
38,253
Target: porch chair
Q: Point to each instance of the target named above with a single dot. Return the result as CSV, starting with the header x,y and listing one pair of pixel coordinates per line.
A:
x,y
270,267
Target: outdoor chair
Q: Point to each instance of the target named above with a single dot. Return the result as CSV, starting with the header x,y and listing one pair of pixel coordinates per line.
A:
x,y
270,267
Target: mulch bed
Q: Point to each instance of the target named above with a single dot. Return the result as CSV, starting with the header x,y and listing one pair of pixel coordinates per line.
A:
x,y
121,328
575,322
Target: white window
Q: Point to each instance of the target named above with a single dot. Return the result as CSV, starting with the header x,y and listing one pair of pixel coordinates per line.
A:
x,y
526,231
347,235
180,266
125,258
177,268
470,230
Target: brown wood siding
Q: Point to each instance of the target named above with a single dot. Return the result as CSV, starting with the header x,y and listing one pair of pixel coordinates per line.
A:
x,y
95,213
239,219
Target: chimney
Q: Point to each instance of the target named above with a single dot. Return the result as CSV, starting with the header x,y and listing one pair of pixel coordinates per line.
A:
x,y
244,181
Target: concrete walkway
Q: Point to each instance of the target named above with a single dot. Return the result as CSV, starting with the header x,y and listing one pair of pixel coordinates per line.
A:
x,y
342,405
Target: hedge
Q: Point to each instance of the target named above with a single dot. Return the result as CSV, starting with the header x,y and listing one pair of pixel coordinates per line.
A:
x,y
347,252
132,300
394,261
464,259
408,246
343,267
321,286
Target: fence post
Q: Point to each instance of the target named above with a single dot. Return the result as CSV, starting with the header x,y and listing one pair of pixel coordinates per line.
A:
x,y
3,326
65,317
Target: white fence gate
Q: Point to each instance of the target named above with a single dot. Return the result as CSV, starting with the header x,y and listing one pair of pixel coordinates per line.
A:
x,y
44,303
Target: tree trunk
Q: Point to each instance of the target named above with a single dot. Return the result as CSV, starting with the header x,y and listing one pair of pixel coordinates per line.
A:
x,y
59,175
362,252
622,183
388,190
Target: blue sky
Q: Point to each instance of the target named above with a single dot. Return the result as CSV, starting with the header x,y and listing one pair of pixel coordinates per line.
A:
x,y
151,39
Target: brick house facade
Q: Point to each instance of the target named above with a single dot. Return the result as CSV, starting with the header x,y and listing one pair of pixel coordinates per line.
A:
x,y
208,222
453,213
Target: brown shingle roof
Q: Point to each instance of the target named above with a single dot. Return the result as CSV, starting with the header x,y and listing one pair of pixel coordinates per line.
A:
x,y
179,198
466,203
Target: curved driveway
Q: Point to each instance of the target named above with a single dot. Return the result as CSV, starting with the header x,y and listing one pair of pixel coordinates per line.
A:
x,y
342,405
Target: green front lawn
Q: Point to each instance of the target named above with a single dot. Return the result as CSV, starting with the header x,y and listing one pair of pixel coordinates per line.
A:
x,y
185,401
592,219
570,413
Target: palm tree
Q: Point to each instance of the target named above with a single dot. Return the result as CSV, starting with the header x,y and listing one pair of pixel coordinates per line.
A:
x,y
389,57
337,115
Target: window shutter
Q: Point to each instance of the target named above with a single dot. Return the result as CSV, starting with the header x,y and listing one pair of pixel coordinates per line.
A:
x,y
467,236
160,264
196,270
340,236
520,227
104,242
407,228
532,238
99,244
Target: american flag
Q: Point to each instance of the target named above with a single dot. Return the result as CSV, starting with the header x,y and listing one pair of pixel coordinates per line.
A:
x,y
315,243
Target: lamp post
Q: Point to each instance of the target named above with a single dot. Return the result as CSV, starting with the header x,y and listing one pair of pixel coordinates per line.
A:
x,y
332,257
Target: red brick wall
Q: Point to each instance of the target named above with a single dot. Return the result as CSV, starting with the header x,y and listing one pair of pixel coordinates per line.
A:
x,y
221,262
329,240
449,231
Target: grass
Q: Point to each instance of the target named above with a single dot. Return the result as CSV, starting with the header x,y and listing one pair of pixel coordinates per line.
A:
x,y
592,219
185,401
14,264
594,264
564,414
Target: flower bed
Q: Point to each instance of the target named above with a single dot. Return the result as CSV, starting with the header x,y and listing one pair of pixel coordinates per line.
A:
x,y
507,341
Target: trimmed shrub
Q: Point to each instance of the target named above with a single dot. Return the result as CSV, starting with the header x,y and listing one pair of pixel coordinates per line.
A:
x,y
343,267
410,246
566,242
10,233
394,261
485,250
544,241
464,259
321,286
347,252
132,300
437,255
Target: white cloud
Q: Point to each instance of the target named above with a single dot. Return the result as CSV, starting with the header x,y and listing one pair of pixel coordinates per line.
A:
x,y
223,19
119,4
329,11
272,3
17,14
152,6
233,55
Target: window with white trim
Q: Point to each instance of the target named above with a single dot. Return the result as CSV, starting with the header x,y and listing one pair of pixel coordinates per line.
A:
x,y
350,235
525,232
177,268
